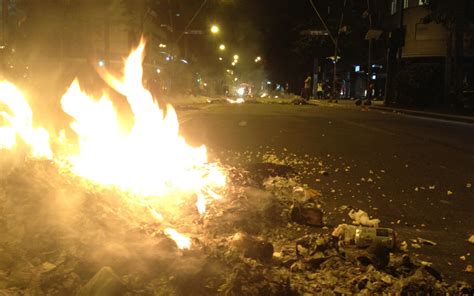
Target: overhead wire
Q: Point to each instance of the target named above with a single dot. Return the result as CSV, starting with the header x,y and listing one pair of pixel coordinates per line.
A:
x,y
323,22
198,11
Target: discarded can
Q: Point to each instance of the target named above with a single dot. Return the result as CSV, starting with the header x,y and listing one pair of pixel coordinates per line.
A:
x,y
366,236
362,236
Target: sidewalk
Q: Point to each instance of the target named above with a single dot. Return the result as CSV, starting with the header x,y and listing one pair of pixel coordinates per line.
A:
x,y
379,105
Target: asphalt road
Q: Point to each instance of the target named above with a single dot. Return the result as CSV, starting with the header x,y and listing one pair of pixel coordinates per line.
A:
x,y
412,173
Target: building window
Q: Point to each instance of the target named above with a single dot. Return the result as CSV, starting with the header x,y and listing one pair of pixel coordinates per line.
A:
x,y
405,3
393,9
422,2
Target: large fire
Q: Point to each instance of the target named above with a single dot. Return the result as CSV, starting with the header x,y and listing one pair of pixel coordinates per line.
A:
x,y
150,160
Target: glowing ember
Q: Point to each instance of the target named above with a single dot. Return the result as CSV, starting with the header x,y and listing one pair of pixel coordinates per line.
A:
x,y
182,241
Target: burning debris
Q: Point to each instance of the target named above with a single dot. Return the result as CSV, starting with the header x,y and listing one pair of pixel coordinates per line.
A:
x,y
150,160
61,237
139,212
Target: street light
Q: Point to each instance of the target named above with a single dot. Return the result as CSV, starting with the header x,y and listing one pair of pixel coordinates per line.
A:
x,y
215,29
222,47
220,59
236,57
258,59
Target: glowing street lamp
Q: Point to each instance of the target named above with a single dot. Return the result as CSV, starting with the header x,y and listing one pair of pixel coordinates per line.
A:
x,y
236,57
222,47
233,63
258,59
215,29
220,58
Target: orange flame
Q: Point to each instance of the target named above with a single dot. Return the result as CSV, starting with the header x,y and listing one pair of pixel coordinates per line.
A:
x,y
182,241
21,123
150,160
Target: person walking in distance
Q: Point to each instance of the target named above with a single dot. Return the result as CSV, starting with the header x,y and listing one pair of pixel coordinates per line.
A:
x,y
319,90
307,88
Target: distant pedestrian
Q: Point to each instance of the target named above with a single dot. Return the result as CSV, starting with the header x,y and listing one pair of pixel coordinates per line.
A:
x,y
307,88
319,90
370,91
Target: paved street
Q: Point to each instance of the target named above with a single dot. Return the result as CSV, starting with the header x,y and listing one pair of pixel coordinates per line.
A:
x,y
412,173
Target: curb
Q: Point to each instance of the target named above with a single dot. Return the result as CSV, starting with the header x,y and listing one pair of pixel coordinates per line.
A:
x,y
450,117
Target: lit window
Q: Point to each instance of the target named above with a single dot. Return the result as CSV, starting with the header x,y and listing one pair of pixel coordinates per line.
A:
x,y
405,3
421,2
394,7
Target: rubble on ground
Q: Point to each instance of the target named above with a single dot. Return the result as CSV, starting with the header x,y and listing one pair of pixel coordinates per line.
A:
x,y
267,236
362,218
471,239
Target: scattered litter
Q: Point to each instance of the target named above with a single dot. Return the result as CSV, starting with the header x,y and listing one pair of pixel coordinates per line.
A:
x,y
305,194
468,185
47,266
469,268
251,247
416,246
104,282
471,239
269,255
450,192
426,241
432,187
403,246
463,258
365,236
307,216
425,263
362,218
277,254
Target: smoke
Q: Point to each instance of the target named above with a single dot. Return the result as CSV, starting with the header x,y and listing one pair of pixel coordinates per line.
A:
x,y
48,215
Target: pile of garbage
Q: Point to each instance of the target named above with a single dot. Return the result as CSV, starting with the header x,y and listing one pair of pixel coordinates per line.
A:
x,y
269,235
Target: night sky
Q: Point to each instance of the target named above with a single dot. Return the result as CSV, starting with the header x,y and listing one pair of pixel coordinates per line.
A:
x,y
272,29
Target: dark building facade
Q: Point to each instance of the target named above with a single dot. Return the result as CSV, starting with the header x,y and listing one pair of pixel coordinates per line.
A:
x,y
426,68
